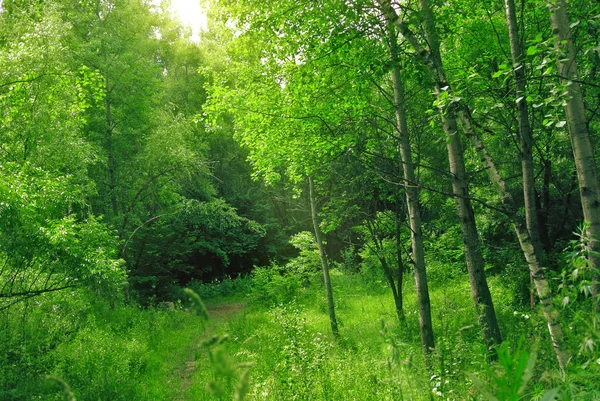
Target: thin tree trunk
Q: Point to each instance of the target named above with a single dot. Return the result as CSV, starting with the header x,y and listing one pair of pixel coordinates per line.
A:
x,y
400,273
395,289
526,137
543,206
475,264
410,188
527,245
323,256
387,270
111,159
583,151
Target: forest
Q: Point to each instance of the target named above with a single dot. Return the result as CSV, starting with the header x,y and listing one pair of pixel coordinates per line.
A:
x,y
306,200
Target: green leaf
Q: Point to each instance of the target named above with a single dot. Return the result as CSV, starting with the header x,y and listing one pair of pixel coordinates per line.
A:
x,y
532,50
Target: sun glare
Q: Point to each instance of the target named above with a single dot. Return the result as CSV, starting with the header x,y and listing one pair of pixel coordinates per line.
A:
x,y
191,14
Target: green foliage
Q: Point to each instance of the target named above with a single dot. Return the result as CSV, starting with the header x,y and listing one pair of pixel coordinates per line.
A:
x,y
350,260
117,149
446,248
378,236
516,371
274,285
227,374
227,288
45,246
300,369
101,353
575,290
307,264
371,269
196,241
219,230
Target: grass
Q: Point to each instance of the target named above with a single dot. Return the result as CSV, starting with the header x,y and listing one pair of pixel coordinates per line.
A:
x,y
280,348
295,357
102,354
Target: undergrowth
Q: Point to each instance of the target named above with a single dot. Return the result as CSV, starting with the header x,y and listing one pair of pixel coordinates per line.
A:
x,y
278,345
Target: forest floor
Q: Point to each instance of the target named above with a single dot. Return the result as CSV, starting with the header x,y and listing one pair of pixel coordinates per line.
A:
x,y
273,342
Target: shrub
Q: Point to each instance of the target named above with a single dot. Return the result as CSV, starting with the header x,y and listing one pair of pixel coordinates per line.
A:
x,y
308,262
273,285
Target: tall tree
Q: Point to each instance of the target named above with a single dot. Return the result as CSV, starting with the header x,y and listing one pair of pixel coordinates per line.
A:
x,y
583,150
525,134
410,182
449,111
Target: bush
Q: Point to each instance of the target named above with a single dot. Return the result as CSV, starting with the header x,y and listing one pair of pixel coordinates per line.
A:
x,y
270,286
308,262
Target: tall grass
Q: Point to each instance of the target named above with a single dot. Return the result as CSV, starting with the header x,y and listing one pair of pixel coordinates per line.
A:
x,y
125,353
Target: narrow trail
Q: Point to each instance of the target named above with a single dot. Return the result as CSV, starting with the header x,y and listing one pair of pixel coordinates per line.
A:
x,y
216,314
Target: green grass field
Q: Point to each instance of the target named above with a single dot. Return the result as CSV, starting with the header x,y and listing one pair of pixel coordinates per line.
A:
x,y
279,347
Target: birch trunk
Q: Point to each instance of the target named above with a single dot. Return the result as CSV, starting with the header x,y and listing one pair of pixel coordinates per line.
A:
x,y
583,151
475,264
527,245
323,256
410,188
525,135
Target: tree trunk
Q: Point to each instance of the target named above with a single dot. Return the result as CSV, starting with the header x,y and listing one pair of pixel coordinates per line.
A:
x,y
544,207
324,265
527,245
583,151
410,188
400,272
387,270
395,289
525,135
475,265
112,186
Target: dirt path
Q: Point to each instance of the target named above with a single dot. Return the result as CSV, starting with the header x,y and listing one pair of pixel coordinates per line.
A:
x,y
223,310
216,313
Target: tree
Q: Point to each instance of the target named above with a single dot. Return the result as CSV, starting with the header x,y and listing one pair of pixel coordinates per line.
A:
x,y
410,182
583,151
448,106
525,134
323,257
45,217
